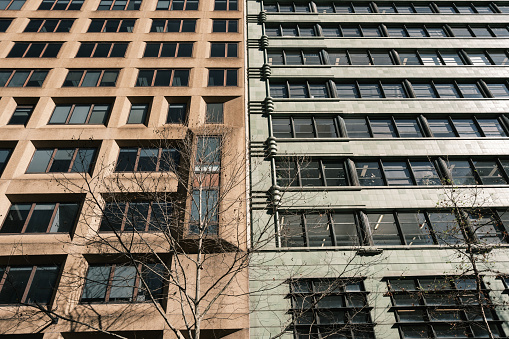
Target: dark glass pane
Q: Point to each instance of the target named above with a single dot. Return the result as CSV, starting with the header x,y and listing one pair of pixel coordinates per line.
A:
x,y
214,113
383,229
35,50
382,128
109,79
99,114
153,275
369,174
408,128
447,91
41,216
345,229
15,219
19,78
126,160
145,78
357,128
84,160
292,231
118,50
148,159
319,230
334,173
470,90
15,285
397,173
181,77
311,174
168,50
409,59
42,286
138,114
102,50
489,172
65,218
163,77
169,160
85,50
112,217
466,128
21,115
281,127
137,216
303,128
96,283
176,114
462,173
414,230
491,128
185,50
40,161
62,160
79,114
326,128
18,50
425,173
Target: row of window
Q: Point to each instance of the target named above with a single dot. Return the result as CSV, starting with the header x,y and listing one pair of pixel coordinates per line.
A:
x,y
118,49
390,89
390,31
390,127
108,78
424,307
120,5
123,25
387,7
383,57
361,228
103,283
402,172
92,114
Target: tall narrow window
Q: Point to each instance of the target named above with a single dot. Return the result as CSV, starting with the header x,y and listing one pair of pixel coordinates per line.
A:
x,y
204,212
214,113
208,154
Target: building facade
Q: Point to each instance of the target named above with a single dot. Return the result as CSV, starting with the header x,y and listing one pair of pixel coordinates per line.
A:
x,y
120,120
379,159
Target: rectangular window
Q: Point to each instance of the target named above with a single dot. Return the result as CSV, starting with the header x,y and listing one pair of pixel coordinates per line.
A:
x,y
91,114
168,50
49,25
4,24
162,77
111,26
34,50
61,5
12,5
28,284
214,113
91,78
204,213
208,154
138,114
225,5
136,216
491,128
64,160
223,50
222,77
369,173
357,128
147,160
123,283
462,172
41,218
173,26
330,308
176,113
498,90
442,307
22,78
177,5
225,26
21,115
311,173
119,5
102,50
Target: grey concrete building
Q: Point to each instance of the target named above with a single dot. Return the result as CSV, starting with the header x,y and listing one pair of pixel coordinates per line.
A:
x,y
379,152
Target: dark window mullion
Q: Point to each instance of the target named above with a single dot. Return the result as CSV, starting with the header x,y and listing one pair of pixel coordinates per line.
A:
x,y
382,172
55,209
393,122
29,282
101,75
332,230
504,173
457,88
453,126
83,74
292,127
398,227
30,212
43,50
474,171
26,50
368,123
284,57
321,169
411,170
379,82
434,89
478,126
172,73
299,176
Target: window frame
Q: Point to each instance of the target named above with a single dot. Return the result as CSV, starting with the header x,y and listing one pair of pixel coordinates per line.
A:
x,y
26,82
162,45
84,75
153,27
160,151
121,23
45,21
96,44
47,45
154,77
72,161
135,4
89,114
70,3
